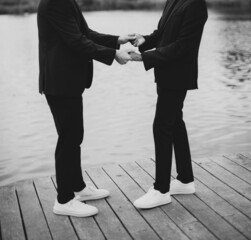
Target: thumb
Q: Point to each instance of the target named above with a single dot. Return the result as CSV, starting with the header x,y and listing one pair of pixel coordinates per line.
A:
x,y
129,50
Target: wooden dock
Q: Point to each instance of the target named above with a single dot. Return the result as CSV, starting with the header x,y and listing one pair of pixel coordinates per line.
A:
x,y
220,209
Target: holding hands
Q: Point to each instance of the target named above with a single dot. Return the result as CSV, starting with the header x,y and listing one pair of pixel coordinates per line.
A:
x,y
123,56
139,40
127,38
135,57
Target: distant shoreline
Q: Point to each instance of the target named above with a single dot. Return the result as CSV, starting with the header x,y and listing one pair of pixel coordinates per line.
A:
x,y
20,7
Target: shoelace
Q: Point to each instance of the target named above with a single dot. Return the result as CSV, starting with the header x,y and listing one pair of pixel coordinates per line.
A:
x,y
71,203
151,192
76,203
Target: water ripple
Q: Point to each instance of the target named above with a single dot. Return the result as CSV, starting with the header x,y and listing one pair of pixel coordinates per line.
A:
x,y
118,118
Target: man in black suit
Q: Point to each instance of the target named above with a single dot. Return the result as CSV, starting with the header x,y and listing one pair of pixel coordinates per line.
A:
x,y
67,47
172,50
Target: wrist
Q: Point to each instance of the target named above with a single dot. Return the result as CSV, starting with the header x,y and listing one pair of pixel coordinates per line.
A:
x,y
119,40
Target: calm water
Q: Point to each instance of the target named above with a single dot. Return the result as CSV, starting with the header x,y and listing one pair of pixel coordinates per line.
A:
x,y
119,108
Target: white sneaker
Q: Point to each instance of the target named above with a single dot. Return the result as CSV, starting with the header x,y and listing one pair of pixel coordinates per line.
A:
x,y
74,208
177,187
91,193
152,198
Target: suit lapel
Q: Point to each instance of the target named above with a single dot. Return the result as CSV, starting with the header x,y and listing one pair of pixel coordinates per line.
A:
x,y
81,17
176,8
165,12
167,15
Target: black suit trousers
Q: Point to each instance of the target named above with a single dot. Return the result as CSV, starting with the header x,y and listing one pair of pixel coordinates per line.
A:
x,y
68,117
170,133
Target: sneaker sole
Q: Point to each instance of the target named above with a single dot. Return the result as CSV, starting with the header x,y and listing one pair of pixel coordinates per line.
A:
x,y
153,205
182,192
65,213
87,198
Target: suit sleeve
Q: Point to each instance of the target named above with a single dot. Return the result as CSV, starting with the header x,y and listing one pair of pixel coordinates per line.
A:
x,y
151,41
60,15
106,40
189,38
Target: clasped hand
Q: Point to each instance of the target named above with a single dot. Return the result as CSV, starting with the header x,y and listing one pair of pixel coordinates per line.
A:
x,y
123,56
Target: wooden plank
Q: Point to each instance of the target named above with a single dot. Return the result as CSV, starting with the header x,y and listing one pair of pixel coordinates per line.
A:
x,y
233,167
60,226
10,218
246,155
86,228
235,199
240,159
225,176
156,217
182,218
218,186
215,223
107,220
224,209
128,215
34,220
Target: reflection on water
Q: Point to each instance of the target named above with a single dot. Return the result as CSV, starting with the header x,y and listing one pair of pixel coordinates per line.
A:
x,y
119,108
236,54
238,66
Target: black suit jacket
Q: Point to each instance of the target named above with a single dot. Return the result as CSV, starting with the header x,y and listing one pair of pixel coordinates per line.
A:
x,y
67,47
176,43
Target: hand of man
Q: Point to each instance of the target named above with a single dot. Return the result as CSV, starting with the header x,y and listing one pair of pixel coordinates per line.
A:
x,y
122,56
126,38
135,56
139,40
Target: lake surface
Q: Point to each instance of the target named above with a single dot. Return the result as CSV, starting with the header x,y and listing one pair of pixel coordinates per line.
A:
x,y
119,108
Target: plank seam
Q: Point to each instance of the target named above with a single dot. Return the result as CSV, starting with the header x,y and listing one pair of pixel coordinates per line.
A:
x,y
200,220
219,194
230,171
219,214
21,214
159,206
242,154
74,229
223,182
94,218
185,206
112,209
229,158
132,204
42,209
